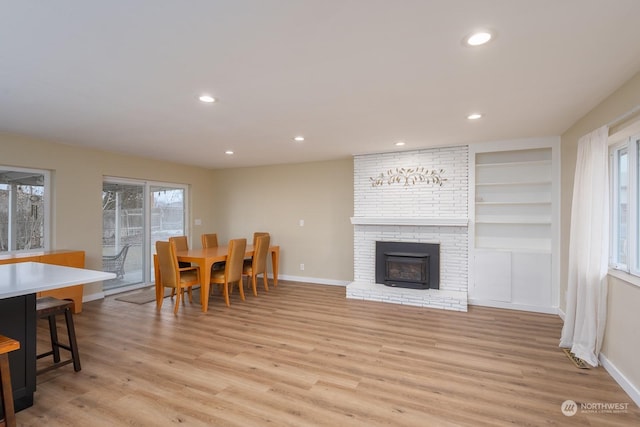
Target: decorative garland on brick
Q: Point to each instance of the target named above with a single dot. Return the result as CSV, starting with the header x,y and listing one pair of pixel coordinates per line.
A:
x,y
409,176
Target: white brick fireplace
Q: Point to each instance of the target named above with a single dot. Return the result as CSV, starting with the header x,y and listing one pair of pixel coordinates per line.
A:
x,y
417,212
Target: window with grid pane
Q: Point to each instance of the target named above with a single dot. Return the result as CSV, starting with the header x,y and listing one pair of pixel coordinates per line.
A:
x,y
23,209
625,206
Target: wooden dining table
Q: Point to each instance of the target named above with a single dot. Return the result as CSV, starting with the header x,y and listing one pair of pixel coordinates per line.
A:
x,y
206,257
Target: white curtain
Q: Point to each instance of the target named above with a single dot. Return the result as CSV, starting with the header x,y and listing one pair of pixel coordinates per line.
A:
x,y
584,323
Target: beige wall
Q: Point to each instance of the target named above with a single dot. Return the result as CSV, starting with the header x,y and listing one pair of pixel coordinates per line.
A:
x,y
77,187
622,338
622,341
276,198
232,203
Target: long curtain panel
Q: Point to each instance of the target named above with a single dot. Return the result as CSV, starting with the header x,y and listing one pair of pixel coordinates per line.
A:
x,y
583,329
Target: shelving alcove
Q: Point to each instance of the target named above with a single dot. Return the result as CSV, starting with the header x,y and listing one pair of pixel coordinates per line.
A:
x,y
514,218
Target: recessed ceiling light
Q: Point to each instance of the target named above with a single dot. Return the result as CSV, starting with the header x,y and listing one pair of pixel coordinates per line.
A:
x,y
299,138
474,116
478,38
399,143
207,98
228,152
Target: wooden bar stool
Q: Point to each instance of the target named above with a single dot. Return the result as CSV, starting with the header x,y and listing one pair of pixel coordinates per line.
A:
x,y
49,308
7,345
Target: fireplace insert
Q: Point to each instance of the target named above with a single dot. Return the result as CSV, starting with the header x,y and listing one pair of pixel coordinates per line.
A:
x,y
408,264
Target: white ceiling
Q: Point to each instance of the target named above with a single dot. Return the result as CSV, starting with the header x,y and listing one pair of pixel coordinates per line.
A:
x,y
352,76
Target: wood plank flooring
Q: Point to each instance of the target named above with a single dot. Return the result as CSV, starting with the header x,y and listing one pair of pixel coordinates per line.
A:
x,y
304,355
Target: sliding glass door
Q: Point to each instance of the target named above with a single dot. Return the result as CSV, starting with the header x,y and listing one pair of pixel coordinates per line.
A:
x,y
167,209
135,215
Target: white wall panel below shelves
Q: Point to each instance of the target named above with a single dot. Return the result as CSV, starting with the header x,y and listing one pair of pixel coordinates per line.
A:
x,y
493,276
531,279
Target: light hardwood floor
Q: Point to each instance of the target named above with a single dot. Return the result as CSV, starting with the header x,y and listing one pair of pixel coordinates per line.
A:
x,y
304,355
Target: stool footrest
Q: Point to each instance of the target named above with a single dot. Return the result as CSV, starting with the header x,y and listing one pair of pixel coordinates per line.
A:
x,y
54,366
51,352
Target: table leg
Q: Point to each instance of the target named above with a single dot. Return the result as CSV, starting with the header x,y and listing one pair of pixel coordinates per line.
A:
x,y
159,287
205,277
275,261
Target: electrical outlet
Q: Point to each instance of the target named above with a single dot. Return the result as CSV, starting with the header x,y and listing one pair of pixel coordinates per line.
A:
x,y
301,267
302,223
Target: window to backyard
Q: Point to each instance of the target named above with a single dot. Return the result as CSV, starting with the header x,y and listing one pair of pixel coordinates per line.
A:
x,y
625,199
24,209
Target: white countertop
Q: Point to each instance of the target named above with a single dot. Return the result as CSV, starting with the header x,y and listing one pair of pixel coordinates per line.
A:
x,y
24,278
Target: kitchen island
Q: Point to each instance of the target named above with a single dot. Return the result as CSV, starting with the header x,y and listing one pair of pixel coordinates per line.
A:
x,y
19,284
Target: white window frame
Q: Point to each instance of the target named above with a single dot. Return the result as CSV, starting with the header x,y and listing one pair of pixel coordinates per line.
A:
x,y
634,214
633,240
47,210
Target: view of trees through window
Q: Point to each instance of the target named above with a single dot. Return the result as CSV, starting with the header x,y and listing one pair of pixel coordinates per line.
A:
x,y
123,240
22,211
625,205
122,214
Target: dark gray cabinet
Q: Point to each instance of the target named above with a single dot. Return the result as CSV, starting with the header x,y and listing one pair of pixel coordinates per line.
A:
x,y
18,321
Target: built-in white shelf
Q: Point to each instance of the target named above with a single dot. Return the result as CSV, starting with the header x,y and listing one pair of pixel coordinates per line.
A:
x,y
511,183
514,250
512,220
513,206
520,163
434,222
482,203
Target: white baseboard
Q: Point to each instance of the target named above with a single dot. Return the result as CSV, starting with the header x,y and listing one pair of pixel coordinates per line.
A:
x,y
93,297
126,288
101,295
315,280
561,314
631,389
512,306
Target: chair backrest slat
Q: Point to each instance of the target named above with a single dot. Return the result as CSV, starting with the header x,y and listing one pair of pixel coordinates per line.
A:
x,y
256,235
168,263
209,240
235,259
181,242
259,262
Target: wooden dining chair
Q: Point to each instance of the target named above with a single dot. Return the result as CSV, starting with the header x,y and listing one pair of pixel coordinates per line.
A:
x,y
170,275
258,263
209,240
255,237
182,244
258,234
232,272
